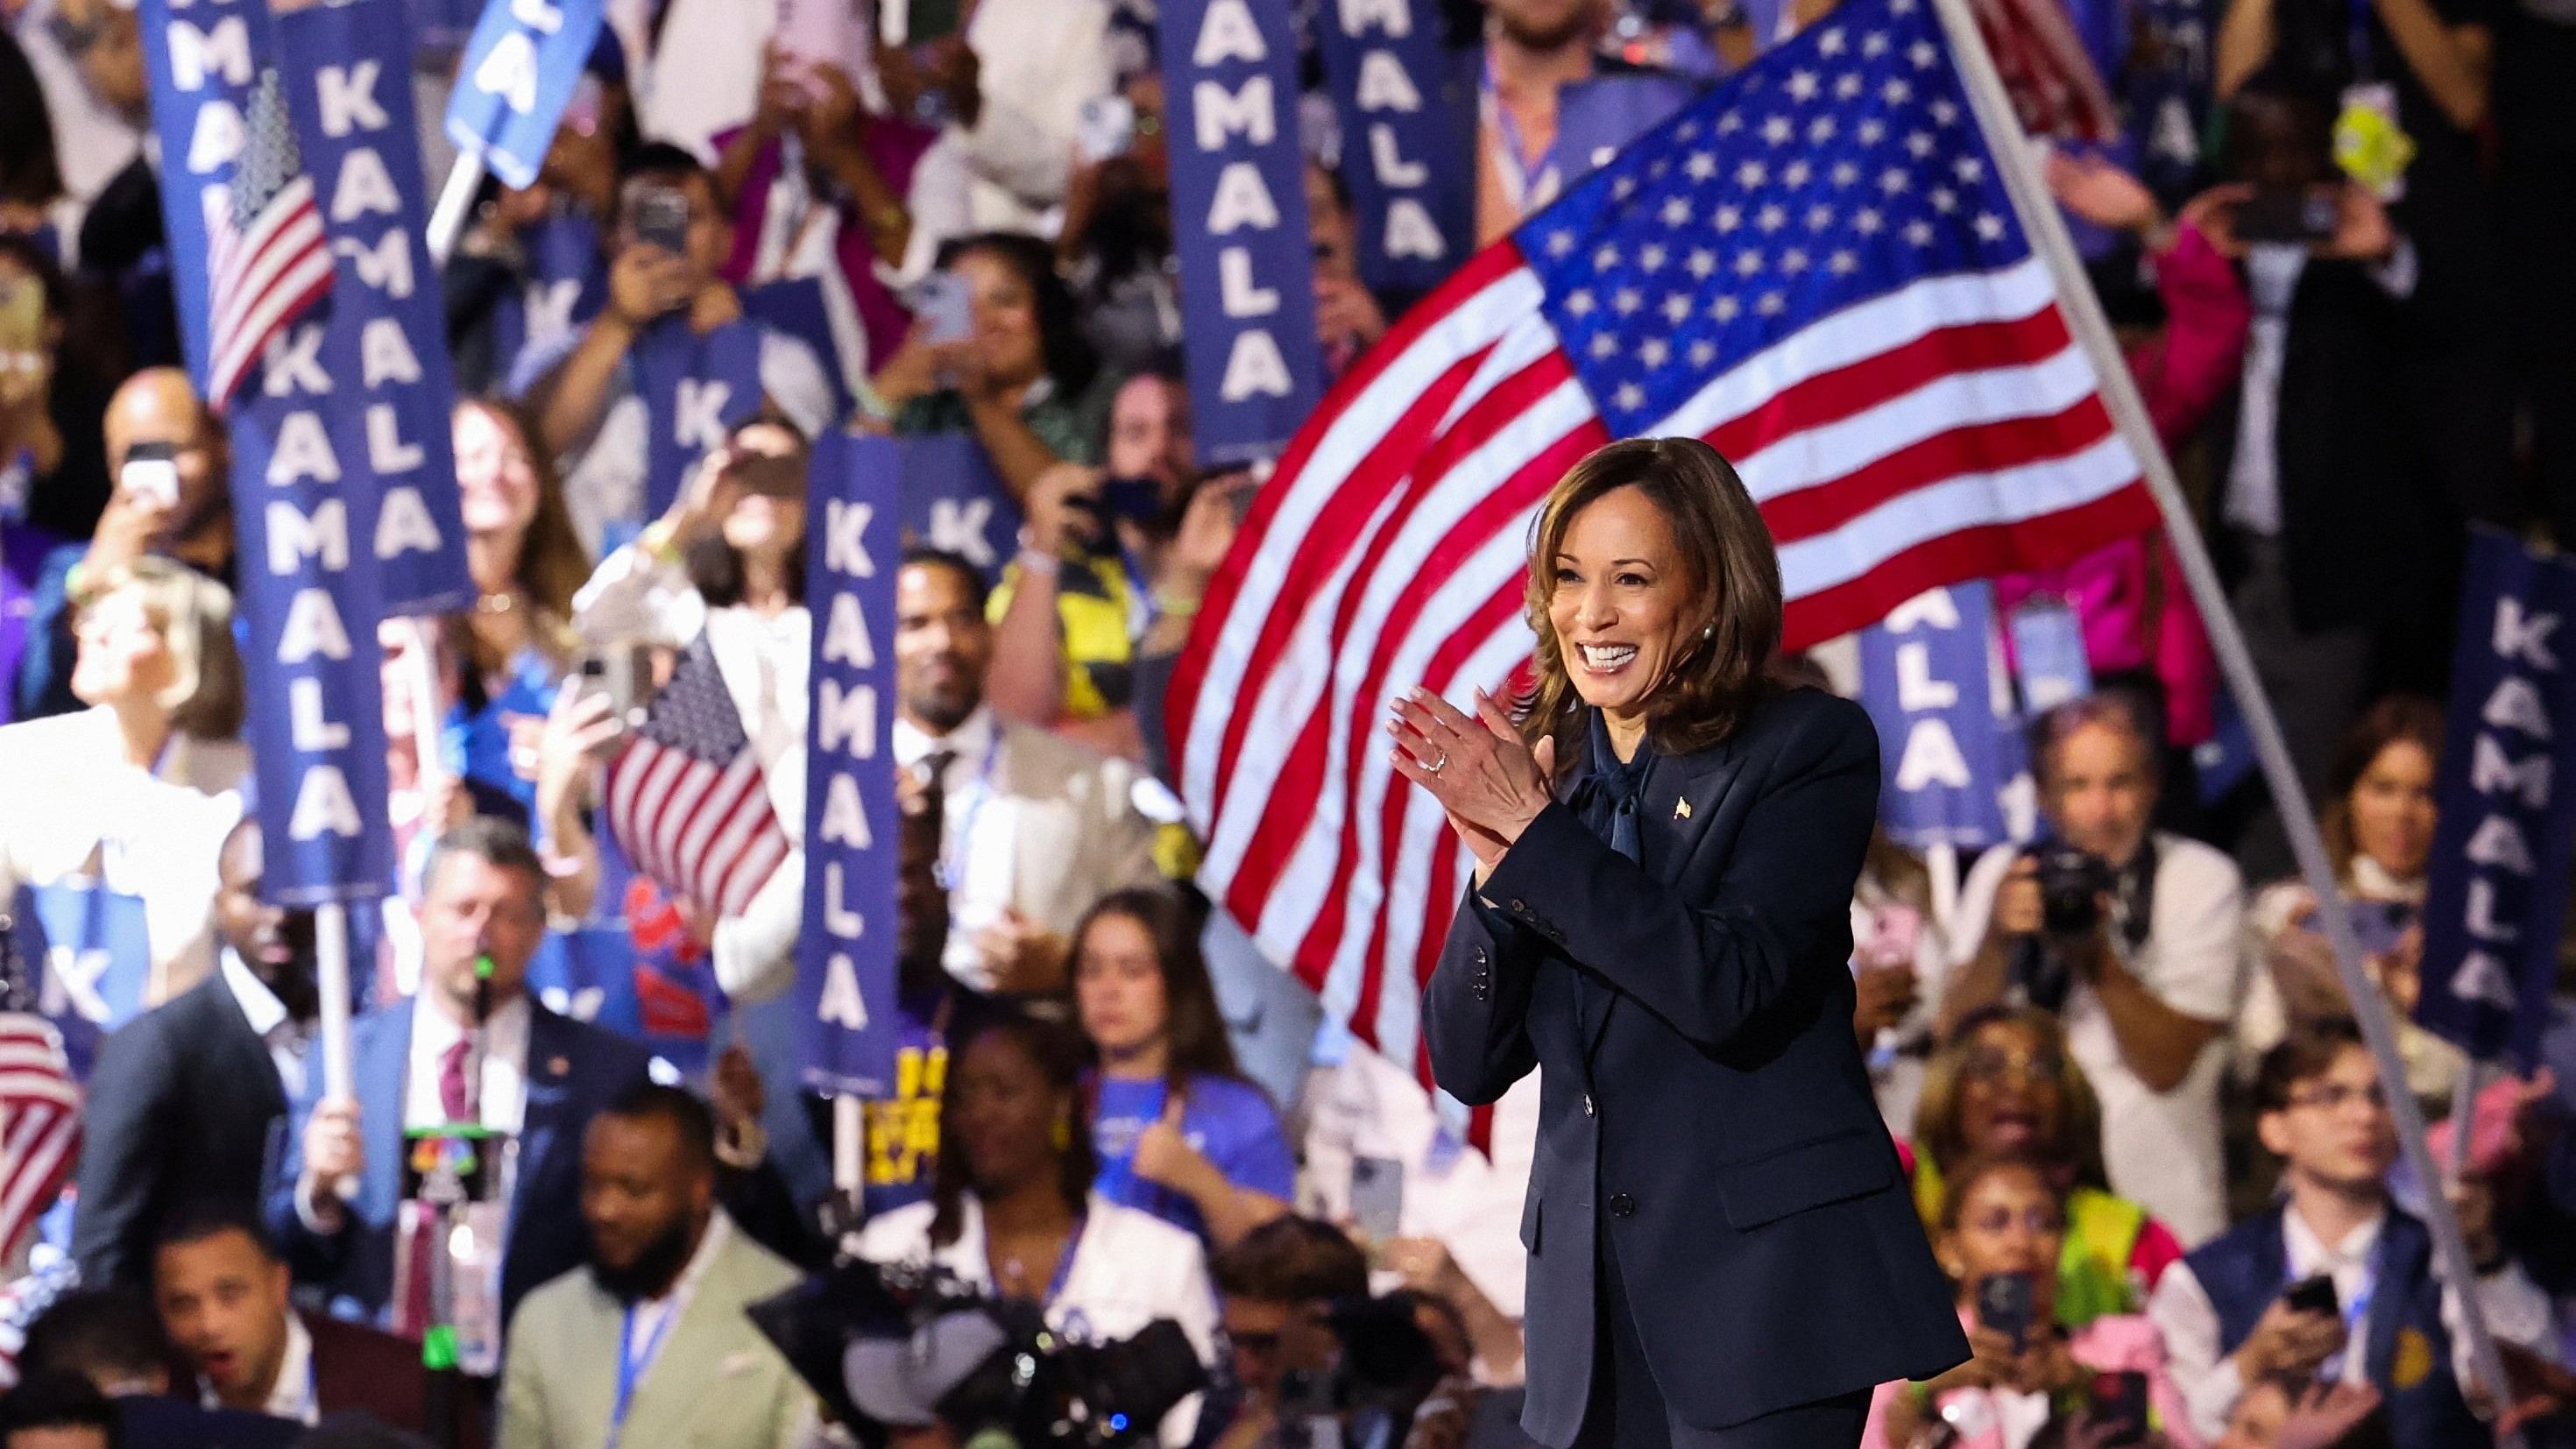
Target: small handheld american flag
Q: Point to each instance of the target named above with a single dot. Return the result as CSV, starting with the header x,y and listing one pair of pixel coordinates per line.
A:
x,y
687,801
40,1125
270,260
1817,269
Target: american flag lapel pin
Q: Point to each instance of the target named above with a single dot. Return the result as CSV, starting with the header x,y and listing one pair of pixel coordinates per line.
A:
x,y
1681,808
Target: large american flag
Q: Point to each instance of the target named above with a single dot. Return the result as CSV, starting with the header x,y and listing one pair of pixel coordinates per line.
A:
x,y
1815,268
268,258
687,801
40,1125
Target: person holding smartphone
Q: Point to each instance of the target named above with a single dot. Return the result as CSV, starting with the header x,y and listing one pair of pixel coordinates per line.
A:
x,y
671,241
2378,823
2337,1282
2003,1230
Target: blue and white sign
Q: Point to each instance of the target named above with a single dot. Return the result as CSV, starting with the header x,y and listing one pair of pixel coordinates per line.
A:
x,y
92,951
2048,653
346,69
1408,113
845,956
1239,219
1950,758
2507,795
697,387
202,59
519,73
954,500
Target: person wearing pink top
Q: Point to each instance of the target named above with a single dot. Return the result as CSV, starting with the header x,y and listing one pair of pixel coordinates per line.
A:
x,y
2128,595
2005,1223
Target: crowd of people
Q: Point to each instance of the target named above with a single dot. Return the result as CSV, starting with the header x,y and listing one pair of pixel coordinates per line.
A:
x,y
2145,1140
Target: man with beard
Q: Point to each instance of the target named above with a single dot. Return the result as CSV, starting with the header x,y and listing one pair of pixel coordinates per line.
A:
x,y
650,1344
222,1293
172,466
187,1103
1551,107
1036,827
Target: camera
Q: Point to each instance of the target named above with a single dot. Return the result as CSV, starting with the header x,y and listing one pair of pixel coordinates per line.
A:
x,y
1383,1367
905,1346
2071,885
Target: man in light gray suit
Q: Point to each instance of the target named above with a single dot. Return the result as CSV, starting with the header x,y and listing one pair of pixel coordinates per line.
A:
x,y
649,1346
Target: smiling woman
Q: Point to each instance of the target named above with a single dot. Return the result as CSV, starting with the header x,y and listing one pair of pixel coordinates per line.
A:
x,y
1721,1252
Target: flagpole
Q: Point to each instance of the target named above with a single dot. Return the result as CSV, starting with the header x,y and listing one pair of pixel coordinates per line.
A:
x,y
2017,167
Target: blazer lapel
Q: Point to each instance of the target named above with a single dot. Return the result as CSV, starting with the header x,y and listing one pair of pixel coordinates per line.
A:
x,y
239,1054
1674,808
549,1086
382,1070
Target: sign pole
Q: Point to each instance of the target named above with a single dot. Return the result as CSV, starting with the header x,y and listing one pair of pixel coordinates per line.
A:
x,y
455,204
849,1145
331,979
2017,167
2464,1116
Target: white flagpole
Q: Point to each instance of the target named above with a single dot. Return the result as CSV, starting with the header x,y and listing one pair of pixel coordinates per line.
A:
x,y
2016,166
331,978
455,203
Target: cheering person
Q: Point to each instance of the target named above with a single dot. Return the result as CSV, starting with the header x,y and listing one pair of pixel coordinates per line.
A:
x,y
1722,1252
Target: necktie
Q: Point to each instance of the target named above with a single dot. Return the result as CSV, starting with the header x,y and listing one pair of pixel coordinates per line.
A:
x,y
455,1102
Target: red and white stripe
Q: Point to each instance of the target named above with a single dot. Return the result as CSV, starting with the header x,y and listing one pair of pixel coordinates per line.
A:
x,y
262,281
1948,430
40,1126
705,833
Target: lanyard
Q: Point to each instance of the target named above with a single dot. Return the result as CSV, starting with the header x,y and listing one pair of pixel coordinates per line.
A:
x,y
1064,1262
960,852
632,1362
1524,173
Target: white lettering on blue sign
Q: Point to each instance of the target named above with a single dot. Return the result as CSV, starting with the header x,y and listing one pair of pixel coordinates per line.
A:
x,y
697,412
2498,846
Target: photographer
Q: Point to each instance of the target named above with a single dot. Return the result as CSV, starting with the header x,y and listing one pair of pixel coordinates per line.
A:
x,y
2132,936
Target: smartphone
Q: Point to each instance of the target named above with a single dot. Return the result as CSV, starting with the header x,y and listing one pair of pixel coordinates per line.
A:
x,y
1106,128
2313,1295
2119,1415
2005,1304
1139,500
662,219
2297,216
821,32
2378,924
151,472
771,476
613,672
946,305
1377,1197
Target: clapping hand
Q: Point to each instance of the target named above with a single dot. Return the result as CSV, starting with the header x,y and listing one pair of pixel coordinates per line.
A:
x,y
1490,783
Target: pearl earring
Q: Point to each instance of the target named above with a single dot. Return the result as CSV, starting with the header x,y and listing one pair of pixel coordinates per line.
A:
x,y
1708,631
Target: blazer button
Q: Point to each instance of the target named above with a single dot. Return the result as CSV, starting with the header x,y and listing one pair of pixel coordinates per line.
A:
x,y
1480,955
1519,907
1622,1205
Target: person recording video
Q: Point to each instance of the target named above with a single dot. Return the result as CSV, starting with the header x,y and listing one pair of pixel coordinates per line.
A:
x,y
2132,935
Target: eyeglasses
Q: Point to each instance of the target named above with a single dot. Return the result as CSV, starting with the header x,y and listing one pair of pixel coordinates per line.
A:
x,y
2039,1219
1989,1066
2335,1095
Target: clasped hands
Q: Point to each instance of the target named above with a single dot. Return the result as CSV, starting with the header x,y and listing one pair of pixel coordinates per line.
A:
x,y
1488,781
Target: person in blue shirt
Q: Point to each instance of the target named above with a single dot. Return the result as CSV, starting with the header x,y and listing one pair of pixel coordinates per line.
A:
x,y
1178,1130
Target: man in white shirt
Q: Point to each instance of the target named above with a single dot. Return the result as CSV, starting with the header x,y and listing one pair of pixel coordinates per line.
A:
x,y
187,1104
650,1345
2251,1307
1037,827
223,1297
2146,974
472,1048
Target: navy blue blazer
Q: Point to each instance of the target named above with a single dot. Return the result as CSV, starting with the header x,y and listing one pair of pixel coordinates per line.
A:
x,y
1703,1102
574,1070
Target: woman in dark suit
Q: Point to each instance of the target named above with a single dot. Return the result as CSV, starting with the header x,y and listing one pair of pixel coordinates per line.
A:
x,y
1722,1252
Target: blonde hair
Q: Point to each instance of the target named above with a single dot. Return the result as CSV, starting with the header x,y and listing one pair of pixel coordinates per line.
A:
x,y
194,615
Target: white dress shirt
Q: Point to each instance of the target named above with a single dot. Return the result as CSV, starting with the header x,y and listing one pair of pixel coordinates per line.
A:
x,y
644,1326
2517,1312
976,844
503,1097
293,1397
288,1040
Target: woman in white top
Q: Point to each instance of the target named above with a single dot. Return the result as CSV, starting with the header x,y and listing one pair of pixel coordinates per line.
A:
x,y
2378,823
138,790
727,561
1012,1211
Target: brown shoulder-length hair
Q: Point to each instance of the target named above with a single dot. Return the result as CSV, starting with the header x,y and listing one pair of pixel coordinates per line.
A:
x,y
1728,564
2078,1144
2397,719
552,566
1194,1035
